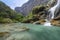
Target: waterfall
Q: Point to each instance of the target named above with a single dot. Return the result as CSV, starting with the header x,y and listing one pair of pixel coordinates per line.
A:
x,y
52,11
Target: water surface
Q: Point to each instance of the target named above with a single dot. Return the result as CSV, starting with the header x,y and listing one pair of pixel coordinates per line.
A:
x,y
35,32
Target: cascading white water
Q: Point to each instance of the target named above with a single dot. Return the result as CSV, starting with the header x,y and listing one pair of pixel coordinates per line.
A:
x,y
51,15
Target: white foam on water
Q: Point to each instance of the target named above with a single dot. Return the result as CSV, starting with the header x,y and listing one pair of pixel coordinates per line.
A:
x,y
47,24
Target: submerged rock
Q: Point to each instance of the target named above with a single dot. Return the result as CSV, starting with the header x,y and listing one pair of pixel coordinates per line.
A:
x,y
2,34
22,29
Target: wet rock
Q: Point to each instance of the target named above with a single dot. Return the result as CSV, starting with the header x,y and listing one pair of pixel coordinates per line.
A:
x,y
55,22
42,21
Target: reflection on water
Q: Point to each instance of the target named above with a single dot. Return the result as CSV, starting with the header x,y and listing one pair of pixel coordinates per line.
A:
x,y
19,31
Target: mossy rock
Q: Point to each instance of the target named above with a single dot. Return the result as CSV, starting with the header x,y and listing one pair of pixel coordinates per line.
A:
x,y
40,8
42,21
55,22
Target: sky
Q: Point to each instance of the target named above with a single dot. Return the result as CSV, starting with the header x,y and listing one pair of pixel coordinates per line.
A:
x,y
14,3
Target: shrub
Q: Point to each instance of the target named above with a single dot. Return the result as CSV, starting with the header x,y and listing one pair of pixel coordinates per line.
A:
x,y
38,9
5,20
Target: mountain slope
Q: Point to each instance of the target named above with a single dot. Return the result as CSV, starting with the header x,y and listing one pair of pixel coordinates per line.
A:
x,y
7,14
27,7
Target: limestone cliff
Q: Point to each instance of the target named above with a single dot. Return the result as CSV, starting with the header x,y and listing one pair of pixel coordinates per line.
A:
x,y
27,7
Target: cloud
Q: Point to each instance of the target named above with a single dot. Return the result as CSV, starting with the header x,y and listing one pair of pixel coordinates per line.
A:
x,y
14,3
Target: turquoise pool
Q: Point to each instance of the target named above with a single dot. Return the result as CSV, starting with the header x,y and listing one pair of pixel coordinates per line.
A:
x,y
35,32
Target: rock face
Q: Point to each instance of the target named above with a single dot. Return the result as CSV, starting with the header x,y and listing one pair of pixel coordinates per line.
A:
x,y
39,14
56,20
27,7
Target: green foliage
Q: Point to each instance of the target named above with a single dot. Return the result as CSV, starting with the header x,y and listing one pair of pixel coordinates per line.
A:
x,y
5,20
19,17
39,9
37,13
30,16
7,12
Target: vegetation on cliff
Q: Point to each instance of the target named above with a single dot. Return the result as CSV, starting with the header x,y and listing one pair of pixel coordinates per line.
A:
x,y
8,15
37,13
